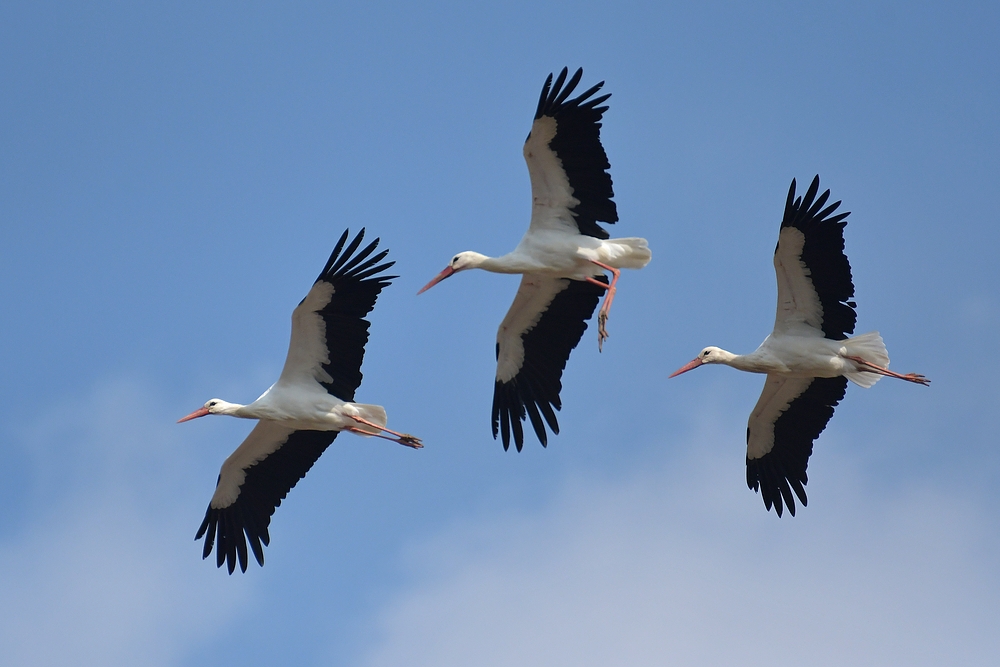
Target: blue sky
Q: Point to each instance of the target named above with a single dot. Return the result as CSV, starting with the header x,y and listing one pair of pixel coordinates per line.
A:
x,y
173,177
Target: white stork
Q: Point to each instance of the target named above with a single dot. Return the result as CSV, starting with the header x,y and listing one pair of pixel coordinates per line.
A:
x,y
808,358
302,413
561,257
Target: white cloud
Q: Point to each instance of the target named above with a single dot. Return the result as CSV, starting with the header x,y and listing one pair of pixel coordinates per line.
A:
x,y
106,574
681,565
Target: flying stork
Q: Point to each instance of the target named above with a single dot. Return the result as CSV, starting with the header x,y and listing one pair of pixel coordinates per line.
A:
x,y
808,358
302,413
562,258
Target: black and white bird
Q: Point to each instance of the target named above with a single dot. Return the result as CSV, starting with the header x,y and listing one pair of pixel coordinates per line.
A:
x,y
808,358
562,259
302,413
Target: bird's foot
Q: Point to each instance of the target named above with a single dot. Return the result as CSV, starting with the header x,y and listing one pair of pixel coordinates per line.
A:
x,y
602,333
411,441
916,378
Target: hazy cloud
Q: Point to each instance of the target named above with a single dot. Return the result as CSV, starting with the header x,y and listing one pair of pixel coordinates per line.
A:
x,y
104,573
678,566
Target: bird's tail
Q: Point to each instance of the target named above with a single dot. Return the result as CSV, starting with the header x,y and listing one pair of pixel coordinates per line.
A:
x,y
870,347
634,252
373,413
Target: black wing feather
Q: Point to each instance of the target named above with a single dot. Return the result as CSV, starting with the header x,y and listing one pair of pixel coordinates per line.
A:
x,y
823,253
577,143
266,485
355,290
782,471
534,391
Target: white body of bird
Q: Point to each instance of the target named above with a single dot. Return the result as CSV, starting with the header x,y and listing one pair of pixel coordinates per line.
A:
x,y
559,254
808,356
303,408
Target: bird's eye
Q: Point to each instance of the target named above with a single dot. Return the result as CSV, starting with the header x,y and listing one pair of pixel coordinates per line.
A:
x,y
454,260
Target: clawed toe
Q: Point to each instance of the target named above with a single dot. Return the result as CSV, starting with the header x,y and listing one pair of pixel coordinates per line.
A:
x,y
410,441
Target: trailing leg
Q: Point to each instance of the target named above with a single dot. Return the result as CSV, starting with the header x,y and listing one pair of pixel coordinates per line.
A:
x,y
875,368
609,297
401,438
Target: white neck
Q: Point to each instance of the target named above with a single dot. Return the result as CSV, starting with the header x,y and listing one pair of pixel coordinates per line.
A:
x,y
505,264
509,263
752,363
512,262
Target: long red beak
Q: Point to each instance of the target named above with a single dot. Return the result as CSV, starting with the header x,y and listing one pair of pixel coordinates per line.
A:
x,y
689,366
200,412
438,278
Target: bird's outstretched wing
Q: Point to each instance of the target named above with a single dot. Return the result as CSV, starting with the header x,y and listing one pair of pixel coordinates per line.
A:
x,y
544,324
329,331
570,183
789,415
814,276
252,483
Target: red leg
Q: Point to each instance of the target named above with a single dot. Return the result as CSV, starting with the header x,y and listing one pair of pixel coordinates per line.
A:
x,y
362,420
401,438
609,297
875,368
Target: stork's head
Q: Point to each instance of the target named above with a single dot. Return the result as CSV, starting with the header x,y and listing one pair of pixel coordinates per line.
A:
x,y
215,406
460,262
710,355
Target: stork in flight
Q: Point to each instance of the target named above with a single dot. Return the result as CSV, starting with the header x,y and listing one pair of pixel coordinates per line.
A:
x,y
808,358
562,258
302,413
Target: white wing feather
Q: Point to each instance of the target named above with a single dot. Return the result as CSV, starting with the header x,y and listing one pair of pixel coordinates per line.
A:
x,y
779,392
533,298
799,307
265,439
551,194
307,349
